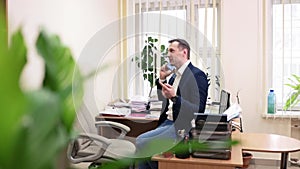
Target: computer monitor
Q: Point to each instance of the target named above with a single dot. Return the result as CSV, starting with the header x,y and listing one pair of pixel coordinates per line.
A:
x,y
224,101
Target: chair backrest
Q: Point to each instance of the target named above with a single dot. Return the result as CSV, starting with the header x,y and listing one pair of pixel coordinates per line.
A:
x,y
94,148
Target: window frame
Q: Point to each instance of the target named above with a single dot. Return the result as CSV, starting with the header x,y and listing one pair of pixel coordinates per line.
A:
x,y
270,51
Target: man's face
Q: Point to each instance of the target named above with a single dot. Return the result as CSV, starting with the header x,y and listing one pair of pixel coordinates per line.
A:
x,y
175,54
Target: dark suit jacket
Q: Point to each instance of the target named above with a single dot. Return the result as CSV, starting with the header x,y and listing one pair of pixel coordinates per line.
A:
x,y
192,94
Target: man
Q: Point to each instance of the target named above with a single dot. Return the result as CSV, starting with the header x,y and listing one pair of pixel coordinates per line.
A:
x,y
182,96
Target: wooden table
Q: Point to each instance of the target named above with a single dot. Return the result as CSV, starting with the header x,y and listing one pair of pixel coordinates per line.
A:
x,y
270,143
138,125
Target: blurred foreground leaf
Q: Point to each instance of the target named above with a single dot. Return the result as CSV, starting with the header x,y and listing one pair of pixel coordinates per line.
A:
x,y
13,102
36,125
59,78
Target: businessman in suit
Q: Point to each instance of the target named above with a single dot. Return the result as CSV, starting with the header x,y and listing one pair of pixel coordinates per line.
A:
x,y
184,94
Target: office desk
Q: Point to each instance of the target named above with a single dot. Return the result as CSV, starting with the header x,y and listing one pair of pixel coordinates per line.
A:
x,y
138,125
201,163
270,143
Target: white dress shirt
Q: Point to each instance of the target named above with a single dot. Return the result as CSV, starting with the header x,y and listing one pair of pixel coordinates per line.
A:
x,y
178,73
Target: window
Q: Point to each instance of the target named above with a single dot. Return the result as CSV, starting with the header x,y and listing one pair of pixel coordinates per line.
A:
x,y
179,13
285,42
168,19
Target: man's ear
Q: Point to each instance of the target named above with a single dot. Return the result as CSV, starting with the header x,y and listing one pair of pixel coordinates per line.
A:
x,y
185,51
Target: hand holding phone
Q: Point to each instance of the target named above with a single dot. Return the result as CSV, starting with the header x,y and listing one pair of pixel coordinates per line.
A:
x,y
170,67
164,72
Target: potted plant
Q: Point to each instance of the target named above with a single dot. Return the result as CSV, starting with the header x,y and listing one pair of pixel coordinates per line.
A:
x,y
293,100
217,82
246,159
147,60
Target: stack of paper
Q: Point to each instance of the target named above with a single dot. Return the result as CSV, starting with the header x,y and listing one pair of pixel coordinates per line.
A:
x,y
119,103
155,105
112,112
233,111
138,104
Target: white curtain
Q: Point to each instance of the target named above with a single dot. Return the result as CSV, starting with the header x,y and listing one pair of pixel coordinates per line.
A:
x,y
197,21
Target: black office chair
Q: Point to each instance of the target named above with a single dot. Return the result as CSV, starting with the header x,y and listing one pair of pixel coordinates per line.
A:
x,y
98,149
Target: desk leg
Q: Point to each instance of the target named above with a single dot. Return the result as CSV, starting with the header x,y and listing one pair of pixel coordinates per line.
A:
x,y
284,158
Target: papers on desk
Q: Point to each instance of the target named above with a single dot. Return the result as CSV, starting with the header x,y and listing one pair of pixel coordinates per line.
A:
x,y
119,104
155,105
236,125
138,104
113,111
135,107
116,114
233,111
143,115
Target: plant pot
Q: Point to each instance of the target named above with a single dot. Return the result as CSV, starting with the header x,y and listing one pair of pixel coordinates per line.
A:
x,y
246,159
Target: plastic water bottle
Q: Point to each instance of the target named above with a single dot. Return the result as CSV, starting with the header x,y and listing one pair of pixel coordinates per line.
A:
x,y
271,102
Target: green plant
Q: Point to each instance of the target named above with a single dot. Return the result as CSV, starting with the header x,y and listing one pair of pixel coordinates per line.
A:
x,y
217,80
293,99
217,84
36,126
147,60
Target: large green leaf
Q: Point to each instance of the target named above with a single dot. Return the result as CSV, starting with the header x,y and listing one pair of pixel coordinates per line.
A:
x,y
296,77
13,102
3,27
18,52
44,135
60,66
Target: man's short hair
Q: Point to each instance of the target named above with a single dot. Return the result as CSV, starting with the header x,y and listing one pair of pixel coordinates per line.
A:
x,y
183,44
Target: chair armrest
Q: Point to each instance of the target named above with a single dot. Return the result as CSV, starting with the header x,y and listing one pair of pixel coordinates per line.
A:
x,y
76,146
95,137
124,129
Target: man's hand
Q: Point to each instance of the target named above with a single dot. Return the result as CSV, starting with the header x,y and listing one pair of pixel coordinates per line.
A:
x,y
168,90
164,72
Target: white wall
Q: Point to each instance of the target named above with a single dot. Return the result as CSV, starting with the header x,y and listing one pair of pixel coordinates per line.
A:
x,y
76,22
241,58
241,65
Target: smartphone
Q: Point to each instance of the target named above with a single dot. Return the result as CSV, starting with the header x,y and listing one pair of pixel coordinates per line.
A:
x,y
170,67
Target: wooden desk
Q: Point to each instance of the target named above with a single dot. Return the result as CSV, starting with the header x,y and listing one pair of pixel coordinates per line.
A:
x,y
138,125
201,163
270,143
